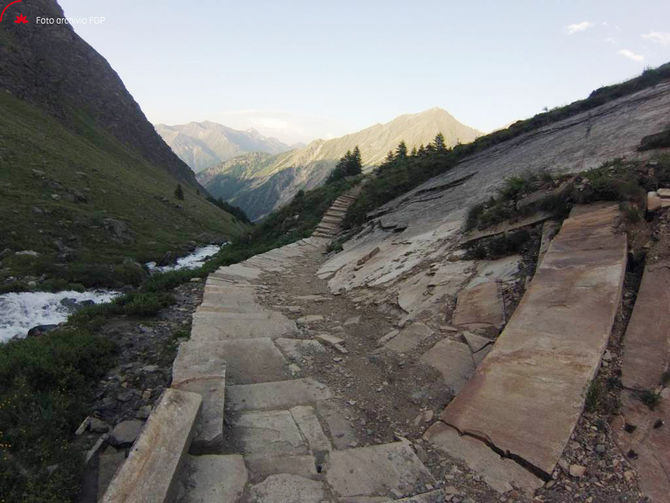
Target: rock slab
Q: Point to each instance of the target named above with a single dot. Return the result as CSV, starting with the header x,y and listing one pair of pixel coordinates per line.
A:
x,y
150,472
551,348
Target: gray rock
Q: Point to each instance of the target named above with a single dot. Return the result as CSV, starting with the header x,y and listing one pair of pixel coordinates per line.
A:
x,y
98,425
125,433
143,412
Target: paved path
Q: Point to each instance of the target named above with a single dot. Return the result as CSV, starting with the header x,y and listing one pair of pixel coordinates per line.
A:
x,y
281,435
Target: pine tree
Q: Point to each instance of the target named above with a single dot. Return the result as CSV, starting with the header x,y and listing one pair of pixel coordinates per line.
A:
x,y
438,142
179,192
401,151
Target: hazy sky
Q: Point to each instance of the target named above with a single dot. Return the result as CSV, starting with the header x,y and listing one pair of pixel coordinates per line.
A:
x,y
299,70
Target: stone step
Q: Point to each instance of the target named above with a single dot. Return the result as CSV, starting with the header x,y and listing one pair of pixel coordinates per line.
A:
x,y
387,470
551,348
335,226
213,478
216,326
150,473
208,429
327,230
246,361
276,395
237,271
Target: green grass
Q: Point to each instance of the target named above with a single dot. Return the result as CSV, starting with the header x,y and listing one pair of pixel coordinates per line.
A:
x,y
93,178
44,386
653,141
594,396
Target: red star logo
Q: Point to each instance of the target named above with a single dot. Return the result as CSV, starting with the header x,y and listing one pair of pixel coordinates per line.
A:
x,y
21,19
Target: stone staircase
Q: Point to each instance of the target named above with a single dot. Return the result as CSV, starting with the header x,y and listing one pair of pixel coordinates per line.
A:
x,y
329,226
264,432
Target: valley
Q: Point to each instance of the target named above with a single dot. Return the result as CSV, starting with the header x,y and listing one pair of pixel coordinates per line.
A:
x,y
260,183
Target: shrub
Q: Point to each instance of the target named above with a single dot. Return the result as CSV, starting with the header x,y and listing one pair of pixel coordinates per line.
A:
x,y
650,398
593,396
44,384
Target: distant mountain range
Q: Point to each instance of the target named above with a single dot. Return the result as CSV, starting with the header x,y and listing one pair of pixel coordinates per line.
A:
x,y
202,145
259,183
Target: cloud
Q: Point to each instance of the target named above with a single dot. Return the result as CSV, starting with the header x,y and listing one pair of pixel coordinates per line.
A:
x,y
662,38
576,27
610,40
631,55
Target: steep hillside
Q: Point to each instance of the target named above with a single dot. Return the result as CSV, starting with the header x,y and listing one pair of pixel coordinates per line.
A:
x,y
262,186
85,181
202,145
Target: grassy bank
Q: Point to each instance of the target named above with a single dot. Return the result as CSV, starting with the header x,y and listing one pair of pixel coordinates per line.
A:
x,y
88,206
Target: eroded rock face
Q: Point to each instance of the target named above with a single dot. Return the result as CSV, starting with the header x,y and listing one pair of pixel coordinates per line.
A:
x,y
434,211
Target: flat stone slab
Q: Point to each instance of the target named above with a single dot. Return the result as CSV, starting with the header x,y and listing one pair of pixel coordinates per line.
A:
x,y
311,429
422,291
342,434
504,269
242,299
239,271
638,430
268,433
390,470
288,488
150,472
276,395
409,338
481,305
297,349
251,361
453,360
194,361
647,341
475,342
501,474
213,478
220,326
208,431
551,348
260,467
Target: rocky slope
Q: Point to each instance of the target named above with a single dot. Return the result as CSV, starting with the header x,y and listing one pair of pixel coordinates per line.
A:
x,y
202,145
85,180
259,185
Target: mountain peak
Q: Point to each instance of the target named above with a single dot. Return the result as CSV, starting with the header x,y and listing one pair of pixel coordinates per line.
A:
x,y
205,144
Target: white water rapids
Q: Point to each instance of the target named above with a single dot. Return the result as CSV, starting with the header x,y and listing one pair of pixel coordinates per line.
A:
x,y
191,261
19,312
